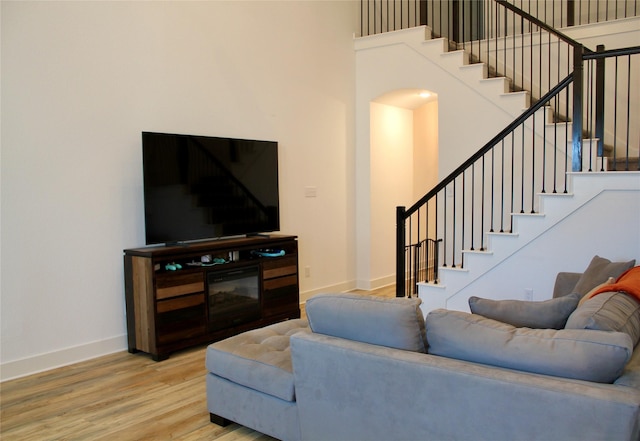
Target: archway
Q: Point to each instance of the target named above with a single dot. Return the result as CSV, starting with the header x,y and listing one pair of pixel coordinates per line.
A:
x,y
403,167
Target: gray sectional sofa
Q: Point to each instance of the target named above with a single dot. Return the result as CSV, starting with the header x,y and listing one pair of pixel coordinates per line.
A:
x,y
366,368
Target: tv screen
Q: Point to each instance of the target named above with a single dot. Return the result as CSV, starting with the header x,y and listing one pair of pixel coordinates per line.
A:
x,y
201,187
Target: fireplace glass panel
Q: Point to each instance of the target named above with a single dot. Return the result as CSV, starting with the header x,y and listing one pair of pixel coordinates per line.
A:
x,y
234,297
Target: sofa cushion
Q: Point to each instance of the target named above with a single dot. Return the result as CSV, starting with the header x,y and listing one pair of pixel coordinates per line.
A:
x,y
551,313
598,271
608,311
259,359
598,356
587,296
392,322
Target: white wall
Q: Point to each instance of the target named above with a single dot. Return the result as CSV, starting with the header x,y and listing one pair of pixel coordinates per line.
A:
x,y
81,80
404,166
392,147
425,152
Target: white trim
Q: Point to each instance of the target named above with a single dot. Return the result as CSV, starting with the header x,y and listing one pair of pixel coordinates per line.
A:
x,y
349,286
64,357
339,287
382,282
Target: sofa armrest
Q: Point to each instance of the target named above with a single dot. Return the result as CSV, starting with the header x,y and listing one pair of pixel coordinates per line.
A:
x,y
352,390
565,282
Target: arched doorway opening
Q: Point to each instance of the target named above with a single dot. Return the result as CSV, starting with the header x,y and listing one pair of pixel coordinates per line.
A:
x,y
403,166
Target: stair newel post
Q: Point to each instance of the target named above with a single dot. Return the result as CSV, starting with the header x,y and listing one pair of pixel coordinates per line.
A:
x,y
600,72
576,122
400,251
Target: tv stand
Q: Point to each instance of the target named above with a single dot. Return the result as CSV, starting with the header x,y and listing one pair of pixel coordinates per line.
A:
x,y
180,296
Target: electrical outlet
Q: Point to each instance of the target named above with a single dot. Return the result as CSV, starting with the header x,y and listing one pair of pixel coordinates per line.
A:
x,y
307,271
528,294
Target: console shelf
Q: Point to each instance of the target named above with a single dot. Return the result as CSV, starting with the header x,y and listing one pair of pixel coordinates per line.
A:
x,y
185,295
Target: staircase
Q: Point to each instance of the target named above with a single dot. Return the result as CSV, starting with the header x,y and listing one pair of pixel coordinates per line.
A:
x,y
562,230
476,75
564,208
552,211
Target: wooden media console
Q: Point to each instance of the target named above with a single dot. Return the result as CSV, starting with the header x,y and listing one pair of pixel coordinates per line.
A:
x,y
185,295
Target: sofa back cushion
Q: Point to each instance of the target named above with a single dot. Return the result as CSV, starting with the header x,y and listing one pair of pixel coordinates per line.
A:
x,y
551,313
598,271
598,356
393,322
608,311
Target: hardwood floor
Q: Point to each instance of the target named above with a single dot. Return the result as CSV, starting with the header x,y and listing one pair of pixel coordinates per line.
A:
x,y
120,396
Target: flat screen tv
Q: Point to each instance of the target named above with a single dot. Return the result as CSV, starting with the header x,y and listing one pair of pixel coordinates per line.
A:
x,y
202,187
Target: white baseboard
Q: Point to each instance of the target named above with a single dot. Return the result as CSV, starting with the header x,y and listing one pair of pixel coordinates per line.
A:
x,y
383,281
369,285
64,357
349,286
339,287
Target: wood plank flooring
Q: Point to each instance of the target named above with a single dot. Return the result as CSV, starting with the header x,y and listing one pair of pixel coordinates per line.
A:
x,y
120,397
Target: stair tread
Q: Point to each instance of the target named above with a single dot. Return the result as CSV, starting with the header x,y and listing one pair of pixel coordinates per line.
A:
x,y
495,79
481,252
432,285
555,194
475,66
454,268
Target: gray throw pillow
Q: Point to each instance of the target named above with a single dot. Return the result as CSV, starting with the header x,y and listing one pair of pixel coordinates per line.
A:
x,y
597,356
608,311
548,314
598,271
393,322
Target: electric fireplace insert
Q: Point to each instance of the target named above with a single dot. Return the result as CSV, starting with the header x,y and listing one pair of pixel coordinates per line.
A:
x,y
234,297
